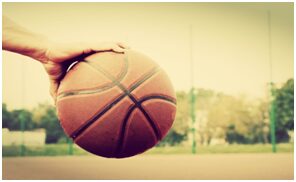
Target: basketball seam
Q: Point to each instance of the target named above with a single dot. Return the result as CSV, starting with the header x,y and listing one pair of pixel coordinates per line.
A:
x,y
128,93
120,140
96,116
99,88
121,136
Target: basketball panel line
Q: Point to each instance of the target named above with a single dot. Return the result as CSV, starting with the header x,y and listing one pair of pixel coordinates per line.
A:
x,y
120,140
128,93
77,132
99,88
87,124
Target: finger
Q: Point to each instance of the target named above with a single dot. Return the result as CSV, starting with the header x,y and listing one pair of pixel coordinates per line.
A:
x,y
117,49
107,46
123,45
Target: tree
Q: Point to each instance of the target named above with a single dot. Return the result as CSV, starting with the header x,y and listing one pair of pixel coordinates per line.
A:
x,y
173,138
49,121
7,120
12,120
243,120
25,116
284,104
232,136
259,129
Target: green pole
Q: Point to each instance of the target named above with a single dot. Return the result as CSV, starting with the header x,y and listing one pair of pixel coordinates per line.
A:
x,y
272,119
70,147
272,91
193,120
192,93
21,116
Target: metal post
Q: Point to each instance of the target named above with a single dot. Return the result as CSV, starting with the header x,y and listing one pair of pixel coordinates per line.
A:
x,y
192,93
21,117
272,98
272,118
70,146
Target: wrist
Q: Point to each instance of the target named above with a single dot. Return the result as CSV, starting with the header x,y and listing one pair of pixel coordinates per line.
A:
x,y
40,47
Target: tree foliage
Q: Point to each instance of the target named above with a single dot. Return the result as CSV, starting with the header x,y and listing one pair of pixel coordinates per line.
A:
x,y
284,104
7,119
237,119
14,119
44,116
241,119
50,122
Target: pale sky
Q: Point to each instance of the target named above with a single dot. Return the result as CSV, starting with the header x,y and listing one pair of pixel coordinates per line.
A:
x,y
229,42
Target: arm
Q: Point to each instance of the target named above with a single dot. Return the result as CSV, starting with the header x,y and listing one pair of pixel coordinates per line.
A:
x,y
20,40
54,56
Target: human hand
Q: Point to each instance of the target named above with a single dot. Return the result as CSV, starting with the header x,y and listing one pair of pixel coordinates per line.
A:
x,y
58,57
55,57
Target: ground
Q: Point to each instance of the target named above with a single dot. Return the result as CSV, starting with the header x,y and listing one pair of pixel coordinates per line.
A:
x,y
185,166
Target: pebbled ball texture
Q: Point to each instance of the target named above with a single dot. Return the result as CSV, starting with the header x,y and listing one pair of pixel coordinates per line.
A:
x,y
116,104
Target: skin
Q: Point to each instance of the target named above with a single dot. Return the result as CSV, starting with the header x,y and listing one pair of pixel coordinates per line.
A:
x,y
55,57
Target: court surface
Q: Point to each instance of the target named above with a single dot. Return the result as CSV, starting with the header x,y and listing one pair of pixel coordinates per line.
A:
x,y
206,166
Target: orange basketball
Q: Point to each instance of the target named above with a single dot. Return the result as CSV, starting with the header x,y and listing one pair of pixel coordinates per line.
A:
x,y
116,104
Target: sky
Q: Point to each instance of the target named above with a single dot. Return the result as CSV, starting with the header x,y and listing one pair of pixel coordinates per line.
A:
x,y
228,43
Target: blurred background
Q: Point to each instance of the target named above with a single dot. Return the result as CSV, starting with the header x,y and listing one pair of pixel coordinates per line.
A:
x,y
232,66
229,53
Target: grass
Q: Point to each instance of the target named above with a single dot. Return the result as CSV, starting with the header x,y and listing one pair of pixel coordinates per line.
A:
x,y
63,149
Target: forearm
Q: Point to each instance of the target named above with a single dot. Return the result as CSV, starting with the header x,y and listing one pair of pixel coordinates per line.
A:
x,y
20,40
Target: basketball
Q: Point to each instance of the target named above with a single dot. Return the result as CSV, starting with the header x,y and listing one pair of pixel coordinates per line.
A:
x,y
116,105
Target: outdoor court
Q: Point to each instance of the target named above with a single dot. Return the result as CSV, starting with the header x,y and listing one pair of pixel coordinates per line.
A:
x,y
205,166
